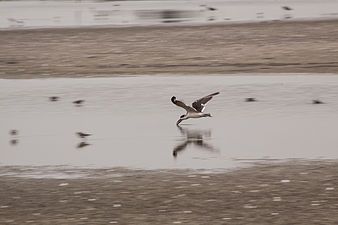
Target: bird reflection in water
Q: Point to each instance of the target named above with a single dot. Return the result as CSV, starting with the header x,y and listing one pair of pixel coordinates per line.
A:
x,y
82,144
196,138
14,142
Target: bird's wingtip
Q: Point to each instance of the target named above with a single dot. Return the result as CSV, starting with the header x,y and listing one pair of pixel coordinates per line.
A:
x,y
173,99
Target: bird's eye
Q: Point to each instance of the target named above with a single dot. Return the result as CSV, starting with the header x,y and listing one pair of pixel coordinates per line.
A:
x,y
182,116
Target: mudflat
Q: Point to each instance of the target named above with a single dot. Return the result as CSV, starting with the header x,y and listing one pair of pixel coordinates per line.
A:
x,y
277,46
281,193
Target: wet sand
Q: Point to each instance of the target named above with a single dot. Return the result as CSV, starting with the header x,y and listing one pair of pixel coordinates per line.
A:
x,y
281,47
284,193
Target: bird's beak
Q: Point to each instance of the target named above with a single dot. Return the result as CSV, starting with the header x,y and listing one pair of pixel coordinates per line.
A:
x,y
178,122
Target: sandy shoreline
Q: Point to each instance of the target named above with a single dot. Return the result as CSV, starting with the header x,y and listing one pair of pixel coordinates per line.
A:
x,y
270,47
283,193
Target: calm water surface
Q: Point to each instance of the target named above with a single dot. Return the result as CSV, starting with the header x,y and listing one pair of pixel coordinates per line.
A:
x,y
133,121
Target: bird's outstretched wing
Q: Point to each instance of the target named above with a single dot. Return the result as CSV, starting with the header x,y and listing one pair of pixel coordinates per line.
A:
x,y
182,105
199,104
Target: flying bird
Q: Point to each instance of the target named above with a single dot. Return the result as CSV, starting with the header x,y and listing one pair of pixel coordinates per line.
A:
x,y
196,111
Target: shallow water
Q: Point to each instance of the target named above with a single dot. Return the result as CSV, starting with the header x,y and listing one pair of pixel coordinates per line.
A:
x,y
132,121
32,14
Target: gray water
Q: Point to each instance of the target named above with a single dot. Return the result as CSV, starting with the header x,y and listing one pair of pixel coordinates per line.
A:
x,y
35,14
132,121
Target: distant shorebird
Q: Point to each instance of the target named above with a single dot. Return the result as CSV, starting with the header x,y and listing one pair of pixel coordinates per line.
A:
x,y
208,7
196,111
251,100
54,98
287,8
211,8
316,101
82,135
78,102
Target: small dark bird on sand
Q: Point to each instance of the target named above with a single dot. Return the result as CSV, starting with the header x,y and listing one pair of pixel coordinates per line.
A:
x,y
13,132
251,100
54,98
78,102
316,101
82,135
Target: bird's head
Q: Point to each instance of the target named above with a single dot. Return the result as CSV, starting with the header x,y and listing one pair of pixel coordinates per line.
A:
x,y
182,117
207,115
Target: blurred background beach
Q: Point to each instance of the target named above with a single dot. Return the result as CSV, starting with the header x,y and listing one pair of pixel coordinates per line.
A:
x,y
33,14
